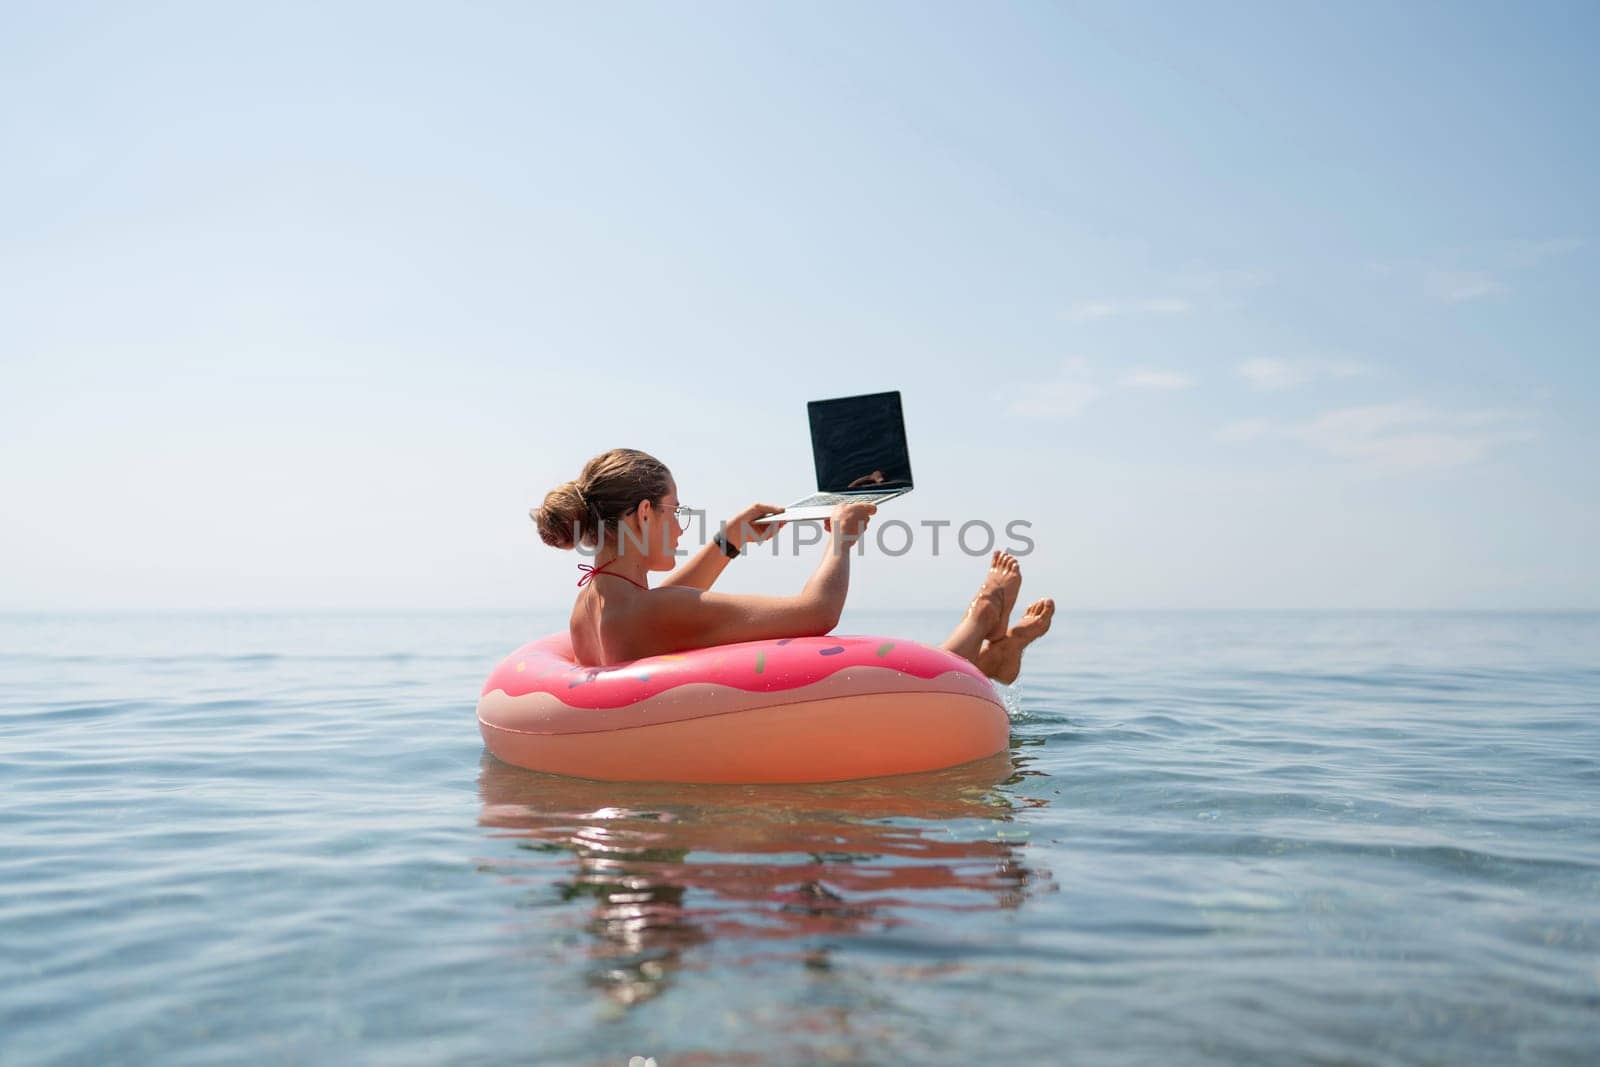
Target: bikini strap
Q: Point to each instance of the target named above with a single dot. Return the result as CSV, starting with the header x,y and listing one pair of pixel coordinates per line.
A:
x,y
590,573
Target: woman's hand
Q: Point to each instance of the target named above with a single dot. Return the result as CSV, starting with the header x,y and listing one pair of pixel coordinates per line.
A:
x,y
742,529
850,521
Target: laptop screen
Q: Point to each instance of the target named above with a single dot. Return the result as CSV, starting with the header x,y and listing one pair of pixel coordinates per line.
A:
x,y
859,443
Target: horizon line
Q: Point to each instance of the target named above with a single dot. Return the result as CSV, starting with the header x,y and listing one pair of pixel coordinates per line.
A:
x,y
174,611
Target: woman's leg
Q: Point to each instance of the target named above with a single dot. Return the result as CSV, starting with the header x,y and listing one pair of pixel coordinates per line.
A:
x,y
981,615
990,611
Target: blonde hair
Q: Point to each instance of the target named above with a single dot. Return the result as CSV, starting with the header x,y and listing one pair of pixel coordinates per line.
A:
x,y
610,485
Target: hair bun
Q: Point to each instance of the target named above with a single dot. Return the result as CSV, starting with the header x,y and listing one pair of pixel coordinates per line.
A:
x,y
609,486
561,517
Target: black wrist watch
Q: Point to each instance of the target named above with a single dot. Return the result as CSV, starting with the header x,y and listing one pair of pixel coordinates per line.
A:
x,y
729,549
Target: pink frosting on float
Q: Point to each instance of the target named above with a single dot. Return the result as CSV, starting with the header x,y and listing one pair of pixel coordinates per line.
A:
x,y
547,666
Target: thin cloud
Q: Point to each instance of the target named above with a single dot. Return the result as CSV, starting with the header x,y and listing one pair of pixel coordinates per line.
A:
x,y
1396,438
1458,287
1462,275
1215,282
1156,379
1246,429
1090,310
1063,397
1209,287
1076,386
1273,375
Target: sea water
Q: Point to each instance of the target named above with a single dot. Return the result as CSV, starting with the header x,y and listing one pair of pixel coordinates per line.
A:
x,y
1223,839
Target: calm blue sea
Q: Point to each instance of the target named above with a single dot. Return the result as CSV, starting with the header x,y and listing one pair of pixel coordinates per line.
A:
x,y
1218,839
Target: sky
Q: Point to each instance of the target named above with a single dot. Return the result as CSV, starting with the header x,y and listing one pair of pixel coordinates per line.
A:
x,y
1235,306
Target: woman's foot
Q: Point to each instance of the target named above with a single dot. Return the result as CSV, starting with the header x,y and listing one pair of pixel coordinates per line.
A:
x,y
1005,574
1002,659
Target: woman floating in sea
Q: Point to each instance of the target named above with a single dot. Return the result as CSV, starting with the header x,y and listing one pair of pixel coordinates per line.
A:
x,y
625,504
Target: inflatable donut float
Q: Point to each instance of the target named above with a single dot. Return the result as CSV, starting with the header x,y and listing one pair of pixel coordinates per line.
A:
x,y
801,709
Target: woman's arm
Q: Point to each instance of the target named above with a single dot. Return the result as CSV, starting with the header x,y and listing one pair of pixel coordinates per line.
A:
x,y
706,565
701,570
679,617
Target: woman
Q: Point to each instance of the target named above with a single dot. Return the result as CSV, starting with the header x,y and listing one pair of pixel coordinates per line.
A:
x,y
625,504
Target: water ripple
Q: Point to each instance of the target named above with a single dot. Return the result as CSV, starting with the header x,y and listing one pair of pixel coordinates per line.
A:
x,y
1215,839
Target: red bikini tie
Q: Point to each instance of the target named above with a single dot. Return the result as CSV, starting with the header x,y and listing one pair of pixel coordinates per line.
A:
x,y
594,572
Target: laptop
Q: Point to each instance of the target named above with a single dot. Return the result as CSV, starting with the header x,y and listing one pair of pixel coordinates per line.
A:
x,y
858,444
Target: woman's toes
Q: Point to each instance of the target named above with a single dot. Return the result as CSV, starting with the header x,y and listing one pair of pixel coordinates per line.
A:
x,y
1035,620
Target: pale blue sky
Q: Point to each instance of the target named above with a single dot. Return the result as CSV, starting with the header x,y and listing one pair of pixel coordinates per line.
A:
x,y
1241,306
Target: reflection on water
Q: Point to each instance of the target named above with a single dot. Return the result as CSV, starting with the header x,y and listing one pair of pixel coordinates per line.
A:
x,y
670,868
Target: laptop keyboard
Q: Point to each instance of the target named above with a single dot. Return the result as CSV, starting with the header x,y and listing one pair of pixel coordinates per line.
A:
x,y
818,500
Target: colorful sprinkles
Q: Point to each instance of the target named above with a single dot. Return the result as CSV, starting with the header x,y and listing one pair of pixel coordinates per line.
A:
x,y
787,663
